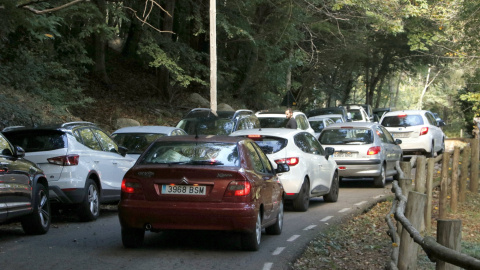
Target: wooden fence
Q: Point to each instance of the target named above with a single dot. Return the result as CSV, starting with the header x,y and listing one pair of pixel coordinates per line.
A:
x,y
411,211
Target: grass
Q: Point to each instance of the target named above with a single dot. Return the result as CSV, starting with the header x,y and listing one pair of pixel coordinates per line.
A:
x,y
362,242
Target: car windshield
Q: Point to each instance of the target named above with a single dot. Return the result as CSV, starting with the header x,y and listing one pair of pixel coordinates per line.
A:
x,y
273,122
193,153
317,126
402,120
346,136
207,126
37,140
270,144
356,114
136,143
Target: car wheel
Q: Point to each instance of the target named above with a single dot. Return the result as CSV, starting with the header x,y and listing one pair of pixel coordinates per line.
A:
x,y
303,200
38,222
442,149
132,238
251,240
431,154
90,207
379,181
276,228
332,196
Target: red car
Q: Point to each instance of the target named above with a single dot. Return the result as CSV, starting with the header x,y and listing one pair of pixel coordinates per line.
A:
x,y
202,183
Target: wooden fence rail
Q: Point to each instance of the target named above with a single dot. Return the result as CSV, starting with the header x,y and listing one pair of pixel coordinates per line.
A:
x,y
412,209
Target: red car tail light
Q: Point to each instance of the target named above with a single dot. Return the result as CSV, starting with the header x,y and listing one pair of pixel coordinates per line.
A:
x,y
374,150
67,160
238,188
423,131
131,186
291,161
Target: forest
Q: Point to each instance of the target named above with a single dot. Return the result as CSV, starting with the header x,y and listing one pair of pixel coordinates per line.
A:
x,y
63,57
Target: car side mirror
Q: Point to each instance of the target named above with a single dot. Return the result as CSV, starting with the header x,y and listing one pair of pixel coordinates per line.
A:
x,y
329,151
122,150
282,167
19,152
398,141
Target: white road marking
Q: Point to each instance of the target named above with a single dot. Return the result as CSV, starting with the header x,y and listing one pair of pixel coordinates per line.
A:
x,y
267,266
293,238
310,227
326,218
360,203
278,251
344,210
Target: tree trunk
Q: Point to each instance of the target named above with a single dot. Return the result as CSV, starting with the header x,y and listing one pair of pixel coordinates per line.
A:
x,y
135,32
100,47
163,79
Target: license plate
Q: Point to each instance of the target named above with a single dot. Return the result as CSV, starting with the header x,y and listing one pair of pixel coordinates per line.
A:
x,y
344,155
184,190
400,135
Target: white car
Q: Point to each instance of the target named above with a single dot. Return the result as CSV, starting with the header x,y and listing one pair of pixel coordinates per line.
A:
x,y
136,139
313,173
318,123
277,119
363,149
418,129
83,165
357,113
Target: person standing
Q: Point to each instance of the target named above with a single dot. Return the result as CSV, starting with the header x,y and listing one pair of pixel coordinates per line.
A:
x,y
291,121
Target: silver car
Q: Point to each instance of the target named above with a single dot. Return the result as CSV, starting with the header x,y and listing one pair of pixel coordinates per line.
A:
x,y
363,149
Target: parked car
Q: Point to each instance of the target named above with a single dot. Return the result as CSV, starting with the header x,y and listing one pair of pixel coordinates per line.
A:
x,y
379,112
23,190
277,119
204,121
331,110
318,123
357,113
368,109
312,172
202,183
83,165
419,131
363,149
137,138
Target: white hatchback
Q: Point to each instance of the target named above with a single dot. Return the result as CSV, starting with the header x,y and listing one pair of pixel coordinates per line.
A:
x,y
83,165
277,119
418,129
313,173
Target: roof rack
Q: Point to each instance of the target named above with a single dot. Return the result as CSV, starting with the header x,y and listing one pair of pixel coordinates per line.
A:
x,y
77,123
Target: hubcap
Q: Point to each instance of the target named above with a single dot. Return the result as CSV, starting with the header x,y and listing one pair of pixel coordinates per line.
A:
x,y
258,228
93,199
43,212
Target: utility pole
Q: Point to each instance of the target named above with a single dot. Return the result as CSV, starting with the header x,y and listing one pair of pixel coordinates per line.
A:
x,y
213,55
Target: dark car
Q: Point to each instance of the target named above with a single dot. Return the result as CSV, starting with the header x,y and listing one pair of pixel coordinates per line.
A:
x,y
23,190
216,183
205,121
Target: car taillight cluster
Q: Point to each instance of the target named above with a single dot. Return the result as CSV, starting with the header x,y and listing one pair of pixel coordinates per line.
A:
x,y
67,160
238,188
423,131
291,161
131,186
374,150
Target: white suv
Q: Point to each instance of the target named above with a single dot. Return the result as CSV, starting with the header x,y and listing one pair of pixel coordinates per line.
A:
x,y
277,119
83,165
419,131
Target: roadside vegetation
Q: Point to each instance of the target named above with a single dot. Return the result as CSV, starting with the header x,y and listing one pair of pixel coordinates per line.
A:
x,y
363,243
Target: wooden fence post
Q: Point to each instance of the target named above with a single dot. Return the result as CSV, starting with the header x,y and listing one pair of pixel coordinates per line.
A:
x,y
474,167
420,174
429,187
408,254
449,234
442,204
406,184
464,175
454,192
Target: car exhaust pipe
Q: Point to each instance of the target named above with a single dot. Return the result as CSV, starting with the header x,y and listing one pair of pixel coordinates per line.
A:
x,y
148,227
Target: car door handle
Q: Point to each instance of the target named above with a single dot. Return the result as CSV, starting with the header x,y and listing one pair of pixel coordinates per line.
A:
x,y
115,163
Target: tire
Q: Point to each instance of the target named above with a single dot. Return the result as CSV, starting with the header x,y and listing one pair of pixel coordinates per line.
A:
x,y
332,196
379,181
251,240
442,149
431,154
302,202
276,228
132,238
89,209
38,222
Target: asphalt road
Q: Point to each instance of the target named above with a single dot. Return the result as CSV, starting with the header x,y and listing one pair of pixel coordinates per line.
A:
x,y
97,245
